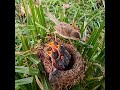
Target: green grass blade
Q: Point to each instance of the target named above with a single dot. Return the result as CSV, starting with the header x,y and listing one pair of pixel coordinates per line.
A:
x,y
22,69
23,87
32,8
101,56
24,81
43,78
66,19
102,53
77,87
94,37
95,14
17,87
92,51
102,60
83,27
42,27
33,71
24,45
29,19
26,70
41,19
41,16
34,84
27,42
103,44
98,33
81,32
34,59
89,42
85,45
92,84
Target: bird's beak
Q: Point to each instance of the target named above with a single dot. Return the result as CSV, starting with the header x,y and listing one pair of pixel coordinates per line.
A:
x,y
57,46
49,53
51,44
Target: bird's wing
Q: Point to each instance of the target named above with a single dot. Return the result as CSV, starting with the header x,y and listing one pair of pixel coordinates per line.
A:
x,y
53,18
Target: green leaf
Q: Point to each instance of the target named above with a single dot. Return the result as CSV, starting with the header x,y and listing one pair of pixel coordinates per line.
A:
x,y
23,87
41,18
26,70
98,33
33,59
103,44
17,87
85,45
24,44
32,8
81,44
89,41
43,78
83,27
102,53
26,41
24,81
66,20
94,84
33,71
93,39
34,84
78,86
22,69
92,51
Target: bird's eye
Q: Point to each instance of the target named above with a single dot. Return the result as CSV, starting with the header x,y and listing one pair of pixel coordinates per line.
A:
x,y
56,43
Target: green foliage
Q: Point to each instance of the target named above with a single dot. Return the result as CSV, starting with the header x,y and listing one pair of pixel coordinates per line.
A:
x,y
89,16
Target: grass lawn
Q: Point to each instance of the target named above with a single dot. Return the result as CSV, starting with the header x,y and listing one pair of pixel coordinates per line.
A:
x,y
32,27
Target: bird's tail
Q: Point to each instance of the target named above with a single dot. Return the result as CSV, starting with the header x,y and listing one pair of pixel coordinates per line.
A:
x,y
53,18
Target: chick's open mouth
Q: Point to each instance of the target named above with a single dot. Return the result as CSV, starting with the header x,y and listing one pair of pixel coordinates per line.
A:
x,y
59,56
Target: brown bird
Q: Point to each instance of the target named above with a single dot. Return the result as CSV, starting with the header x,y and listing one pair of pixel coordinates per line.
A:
x,y
65,30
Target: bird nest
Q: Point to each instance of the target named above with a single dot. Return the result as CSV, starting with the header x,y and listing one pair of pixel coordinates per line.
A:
x,y
63,79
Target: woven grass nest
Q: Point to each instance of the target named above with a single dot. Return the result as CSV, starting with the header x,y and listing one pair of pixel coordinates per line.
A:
x,y
63,79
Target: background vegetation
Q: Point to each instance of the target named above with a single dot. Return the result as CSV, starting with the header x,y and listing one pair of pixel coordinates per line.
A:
x,y
32,26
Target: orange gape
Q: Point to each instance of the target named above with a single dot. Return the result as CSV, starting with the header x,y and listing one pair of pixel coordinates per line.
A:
x,y
60,57
54,49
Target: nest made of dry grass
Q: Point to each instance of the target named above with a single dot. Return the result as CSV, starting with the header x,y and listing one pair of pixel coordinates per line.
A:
x,y
64,79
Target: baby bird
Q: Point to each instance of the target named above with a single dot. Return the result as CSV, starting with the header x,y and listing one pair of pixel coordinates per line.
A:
x,y
60,57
